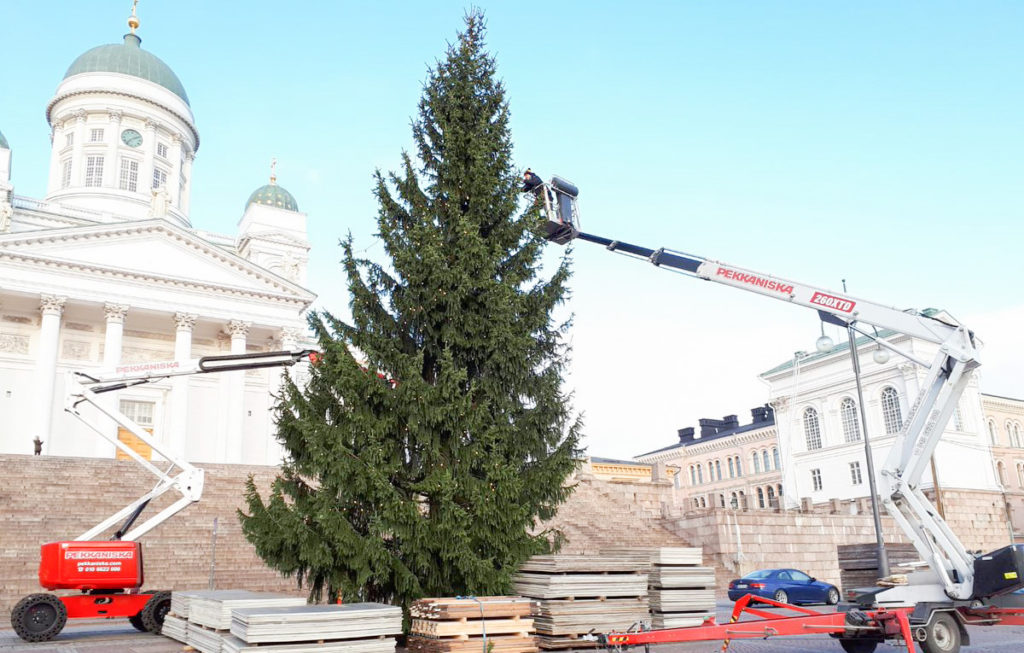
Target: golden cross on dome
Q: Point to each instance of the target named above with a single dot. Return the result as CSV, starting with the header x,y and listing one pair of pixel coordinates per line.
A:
x,y
273,166
133,20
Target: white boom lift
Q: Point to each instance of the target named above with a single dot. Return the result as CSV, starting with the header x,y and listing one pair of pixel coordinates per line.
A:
x,y
955,575
109,573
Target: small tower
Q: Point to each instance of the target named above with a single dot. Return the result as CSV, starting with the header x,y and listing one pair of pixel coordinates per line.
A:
x,y
272,231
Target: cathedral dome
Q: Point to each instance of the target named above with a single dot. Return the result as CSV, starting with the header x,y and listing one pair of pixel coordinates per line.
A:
x,y
273,195
128,59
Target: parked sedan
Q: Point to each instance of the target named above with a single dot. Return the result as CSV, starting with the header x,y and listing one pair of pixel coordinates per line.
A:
x,y
785,586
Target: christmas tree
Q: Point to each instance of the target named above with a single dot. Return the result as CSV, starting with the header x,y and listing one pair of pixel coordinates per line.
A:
x,y
433,435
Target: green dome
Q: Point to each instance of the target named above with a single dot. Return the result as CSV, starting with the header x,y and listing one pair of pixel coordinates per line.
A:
x,y
3,142
129,59
273,195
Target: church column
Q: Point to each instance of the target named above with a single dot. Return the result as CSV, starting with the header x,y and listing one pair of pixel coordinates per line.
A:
x,y
239,330
288,340
112,168
174,175
77,160
186,169
177,432
149,141
112,344
51,307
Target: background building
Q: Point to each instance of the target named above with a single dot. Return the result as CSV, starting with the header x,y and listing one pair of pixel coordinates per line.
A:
x,y
107,269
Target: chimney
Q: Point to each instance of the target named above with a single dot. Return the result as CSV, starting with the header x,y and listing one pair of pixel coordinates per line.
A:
x,y
708,426
685,435
730,422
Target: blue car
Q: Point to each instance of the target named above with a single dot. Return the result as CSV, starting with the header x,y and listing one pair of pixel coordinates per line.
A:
x,y
785,586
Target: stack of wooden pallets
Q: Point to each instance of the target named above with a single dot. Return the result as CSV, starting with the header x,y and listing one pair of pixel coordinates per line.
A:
x,y
578,594
682,593
501,624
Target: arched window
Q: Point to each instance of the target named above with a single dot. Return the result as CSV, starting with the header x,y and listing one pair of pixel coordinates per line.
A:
x,y
1001,472
757,463
1016,436
721,500
732,468
891,410
700,474
992,433
718,469
772,503
775,457
1020,474
734,501
739,467
693,475
1009,434
778,490
848,416
696,502
760,498
767,462
812,429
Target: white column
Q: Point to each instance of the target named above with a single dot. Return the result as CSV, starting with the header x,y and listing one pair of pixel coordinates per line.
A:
x,y
112,167
178,430
149,145
112,345
51,307
187,188
77,150
236,396
174,175
289,340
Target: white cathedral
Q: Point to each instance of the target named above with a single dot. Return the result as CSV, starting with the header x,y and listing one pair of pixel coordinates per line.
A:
x,y
107,269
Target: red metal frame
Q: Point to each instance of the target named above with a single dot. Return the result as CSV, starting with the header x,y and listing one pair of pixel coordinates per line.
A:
x,y
91,606
888,623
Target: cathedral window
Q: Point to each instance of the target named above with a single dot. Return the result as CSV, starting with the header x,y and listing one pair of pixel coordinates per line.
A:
x,y
891,411
848,416
812,429
855,476
159,178
69,139
94,171
65,173
129,175
816,479
96,135
161,150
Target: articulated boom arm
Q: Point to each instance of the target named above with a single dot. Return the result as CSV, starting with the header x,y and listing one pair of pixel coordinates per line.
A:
x,y
87,387
948,374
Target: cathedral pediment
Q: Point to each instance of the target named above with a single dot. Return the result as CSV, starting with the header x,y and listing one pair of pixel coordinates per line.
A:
x,y
149,251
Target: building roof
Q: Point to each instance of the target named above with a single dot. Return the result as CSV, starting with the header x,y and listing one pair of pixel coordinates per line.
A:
x,y
128,58
273,195
841,347
615,461
717,436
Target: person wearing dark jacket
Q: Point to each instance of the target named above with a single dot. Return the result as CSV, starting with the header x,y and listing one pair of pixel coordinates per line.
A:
x,y
531,181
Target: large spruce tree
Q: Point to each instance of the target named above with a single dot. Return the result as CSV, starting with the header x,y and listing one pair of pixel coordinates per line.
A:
x,y
434,433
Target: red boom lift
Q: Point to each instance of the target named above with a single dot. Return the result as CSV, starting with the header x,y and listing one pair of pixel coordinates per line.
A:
x,y
108,574
933,605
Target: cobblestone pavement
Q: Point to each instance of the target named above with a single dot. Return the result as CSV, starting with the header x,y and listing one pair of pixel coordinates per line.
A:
x,y
117,636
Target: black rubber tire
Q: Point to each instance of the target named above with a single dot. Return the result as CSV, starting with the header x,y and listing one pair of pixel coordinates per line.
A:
x,y
39,617
136,621
942,634
858,645
833,596
155,610
781,596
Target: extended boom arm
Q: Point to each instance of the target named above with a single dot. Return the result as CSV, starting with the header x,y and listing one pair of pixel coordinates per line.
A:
x,y
948,374
86,388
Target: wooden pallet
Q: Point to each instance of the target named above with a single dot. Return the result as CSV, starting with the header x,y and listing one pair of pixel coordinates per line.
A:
x,y
465,627
516,643
561,642
483,607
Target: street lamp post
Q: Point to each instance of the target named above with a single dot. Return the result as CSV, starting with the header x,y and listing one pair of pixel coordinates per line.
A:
x,y
883,558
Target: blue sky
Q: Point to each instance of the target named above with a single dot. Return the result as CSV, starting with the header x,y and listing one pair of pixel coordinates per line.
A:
x,y
876,142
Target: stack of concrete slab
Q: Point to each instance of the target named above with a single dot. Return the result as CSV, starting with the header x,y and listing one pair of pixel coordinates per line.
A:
x,y
578,594
317,623
498,624
682,593
201,618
